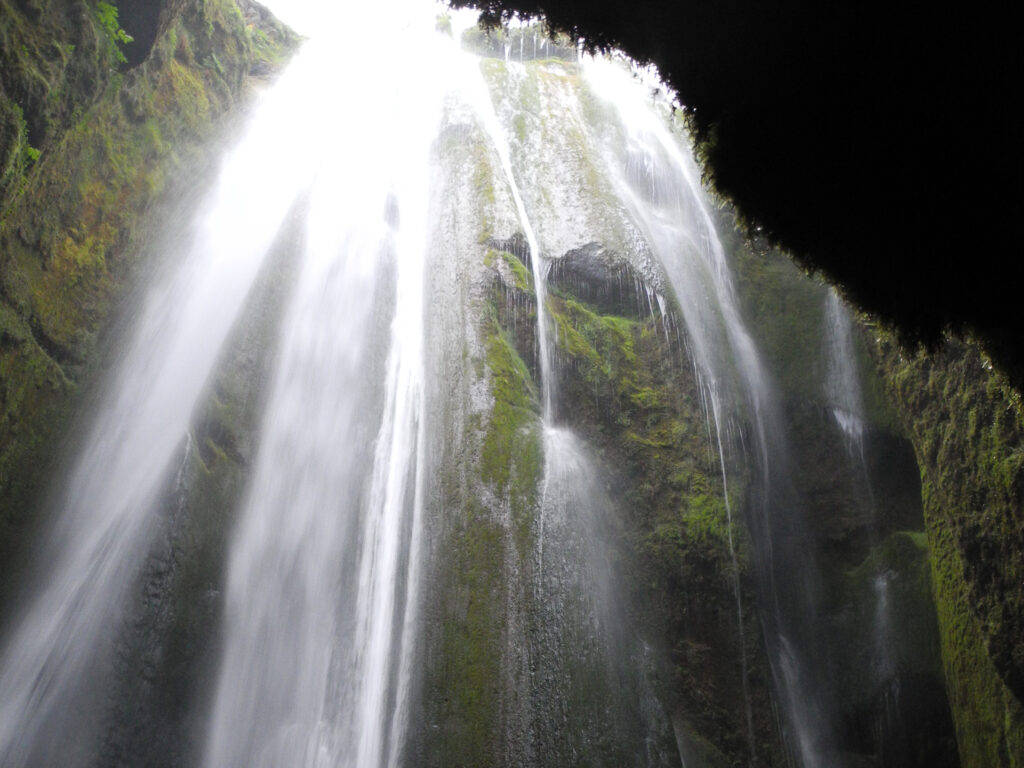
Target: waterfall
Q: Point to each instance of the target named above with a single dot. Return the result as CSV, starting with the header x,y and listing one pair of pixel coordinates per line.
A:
x,y
573,589
499,137
659,183
845,398
408,166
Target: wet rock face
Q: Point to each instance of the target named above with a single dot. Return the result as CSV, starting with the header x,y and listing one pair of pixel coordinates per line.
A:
x,y
524,44
966,425
880,625
516,245
626,386
862,613
599,277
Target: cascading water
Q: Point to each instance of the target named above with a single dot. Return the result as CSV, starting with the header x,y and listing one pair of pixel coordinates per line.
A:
x,y
572,590
321,588
846,401
58,653
419,168
493,128
658,181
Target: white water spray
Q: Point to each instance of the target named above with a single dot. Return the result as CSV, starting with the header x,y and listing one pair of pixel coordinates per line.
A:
x,y
62,641
499,139
659,183
323,578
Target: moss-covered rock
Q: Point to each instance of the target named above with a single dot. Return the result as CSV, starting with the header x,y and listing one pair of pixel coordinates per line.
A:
x,y
858,600
598,277
488,524
966,424
682,553
882,634
511,459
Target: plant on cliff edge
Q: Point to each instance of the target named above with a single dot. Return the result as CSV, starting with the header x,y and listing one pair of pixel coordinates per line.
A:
x,y
107,15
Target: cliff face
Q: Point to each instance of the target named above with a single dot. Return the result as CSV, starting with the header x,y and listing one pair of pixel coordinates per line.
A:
x,y
556,552
966,425
91,147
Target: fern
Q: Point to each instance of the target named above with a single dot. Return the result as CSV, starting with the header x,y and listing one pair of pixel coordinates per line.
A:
x,y
107,15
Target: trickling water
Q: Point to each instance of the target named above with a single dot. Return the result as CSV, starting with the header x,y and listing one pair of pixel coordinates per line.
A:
x,y
659,183
845,398
843,380
580,640
579,643
496,132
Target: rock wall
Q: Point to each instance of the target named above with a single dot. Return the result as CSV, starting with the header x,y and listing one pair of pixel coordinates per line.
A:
x,y
966,424
547,641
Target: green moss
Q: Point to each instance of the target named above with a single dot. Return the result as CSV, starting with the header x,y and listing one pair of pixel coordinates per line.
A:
x,y
522,278
989,719
638,404
600,345
519,126
465,680
33,396
511,458
471,645
967,426
106,14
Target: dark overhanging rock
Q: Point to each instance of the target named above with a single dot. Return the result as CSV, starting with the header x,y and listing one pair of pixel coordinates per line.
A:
x,y
601,278
141,20
872,141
